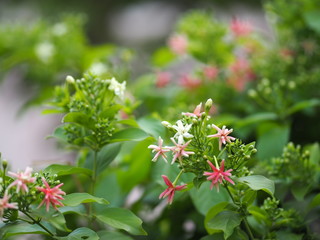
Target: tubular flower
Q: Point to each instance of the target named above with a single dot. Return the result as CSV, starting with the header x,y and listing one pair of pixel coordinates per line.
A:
x,y
52,195
117,87
196,113
222,134
22,179
4,204
179,151
218,175
169,192
182,131
160,150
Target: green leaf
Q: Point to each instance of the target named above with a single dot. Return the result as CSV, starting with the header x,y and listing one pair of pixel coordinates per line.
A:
x,y
55,218
113,235
249,197
59,133
303,104
315,202
256,118
81,234
75,199
312,19
79,210
129,122
62,170
137,163
79,118
122,219
162,57
282,235
212,213
299,190
22,228
204,198
152,126
272,138
225,221
259,214
258,182
129,134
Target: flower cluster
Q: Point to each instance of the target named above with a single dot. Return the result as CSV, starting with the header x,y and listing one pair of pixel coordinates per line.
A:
x,y
25,188
194,148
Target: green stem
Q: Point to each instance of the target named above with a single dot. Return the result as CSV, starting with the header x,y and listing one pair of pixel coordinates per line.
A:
x,y
177,178
34,221
246,224
93,183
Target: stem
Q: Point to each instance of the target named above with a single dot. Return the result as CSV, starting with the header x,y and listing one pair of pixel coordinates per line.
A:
x,y
246,224
34,221
177,178
94,179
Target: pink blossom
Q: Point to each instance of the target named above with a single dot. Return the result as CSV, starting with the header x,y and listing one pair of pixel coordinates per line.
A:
x,y
179,151
210,72
222,134
241,73
22,179
4,204
162,79
178,44
189,82
52,195
218,175
169,192
240,28
196,113
160,150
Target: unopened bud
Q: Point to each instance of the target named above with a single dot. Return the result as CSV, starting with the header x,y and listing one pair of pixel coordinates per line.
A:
x,y
4,164
166,124
208,105
70,79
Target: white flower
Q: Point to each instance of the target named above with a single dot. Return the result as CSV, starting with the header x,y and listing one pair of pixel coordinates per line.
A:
x,y
45,51
70,79
98,68
117,87
182,131
59,29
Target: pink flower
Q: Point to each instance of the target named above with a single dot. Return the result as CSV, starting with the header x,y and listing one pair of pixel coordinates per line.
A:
x,y
52,195
196,113
162,79
218,175
222,134
4,204
189,82
240,28
178,44
179,151
241,73
210,72
22,179
169,192
160,150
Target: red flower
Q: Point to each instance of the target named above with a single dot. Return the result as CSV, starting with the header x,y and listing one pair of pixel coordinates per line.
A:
x,y
169,192
222,134
218,175
52,195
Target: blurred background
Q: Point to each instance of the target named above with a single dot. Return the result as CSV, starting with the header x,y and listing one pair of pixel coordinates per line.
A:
x,y
141,26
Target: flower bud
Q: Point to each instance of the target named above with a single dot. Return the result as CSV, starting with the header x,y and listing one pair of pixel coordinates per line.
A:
x,y
166,124
4,164
252,93
208,105
70,79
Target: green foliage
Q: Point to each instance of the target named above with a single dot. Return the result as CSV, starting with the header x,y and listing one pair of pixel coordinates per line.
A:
x,y
81,233
258,182
121,218
75,199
